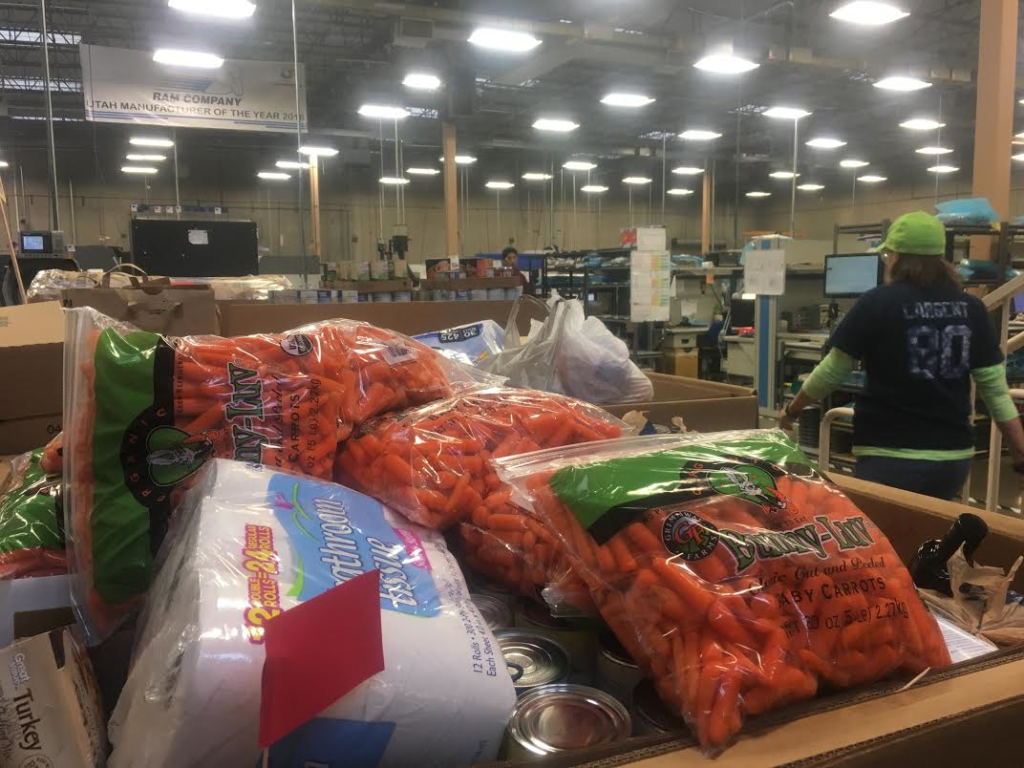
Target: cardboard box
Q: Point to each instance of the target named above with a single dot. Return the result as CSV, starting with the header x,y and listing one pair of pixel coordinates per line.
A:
x,y
20,435
50,710
239,319
32,360
679,363
705,406
181,310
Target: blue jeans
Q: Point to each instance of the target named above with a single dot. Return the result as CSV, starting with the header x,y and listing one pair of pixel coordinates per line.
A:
x,y
939,479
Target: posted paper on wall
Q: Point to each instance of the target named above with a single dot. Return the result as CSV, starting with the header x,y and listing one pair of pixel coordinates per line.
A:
x,y
650,287
764,273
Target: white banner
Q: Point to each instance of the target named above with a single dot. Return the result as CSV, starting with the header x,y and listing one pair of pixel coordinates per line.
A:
x,y
126,86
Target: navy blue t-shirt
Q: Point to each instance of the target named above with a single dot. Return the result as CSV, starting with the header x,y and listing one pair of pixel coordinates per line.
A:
x,y
918,346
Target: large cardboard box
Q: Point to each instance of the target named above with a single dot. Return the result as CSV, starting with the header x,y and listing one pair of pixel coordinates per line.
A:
x,y
20,435
179,310
31,360
704,406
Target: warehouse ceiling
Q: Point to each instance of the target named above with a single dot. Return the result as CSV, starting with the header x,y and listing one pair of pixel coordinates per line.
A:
x,y
358,51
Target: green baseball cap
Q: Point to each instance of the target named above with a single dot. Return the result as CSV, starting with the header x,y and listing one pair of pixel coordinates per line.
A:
x,y
917,233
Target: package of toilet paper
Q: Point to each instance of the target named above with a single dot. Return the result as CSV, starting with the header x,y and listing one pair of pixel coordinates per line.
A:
x,y
251,543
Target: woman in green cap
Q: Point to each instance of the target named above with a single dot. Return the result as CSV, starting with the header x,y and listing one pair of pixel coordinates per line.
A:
x,y
921,340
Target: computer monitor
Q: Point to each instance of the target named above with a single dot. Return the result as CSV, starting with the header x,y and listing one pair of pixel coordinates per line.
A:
x,y
849,276
741,313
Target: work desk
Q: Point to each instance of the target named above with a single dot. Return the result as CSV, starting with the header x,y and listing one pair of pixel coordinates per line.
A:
x,y
741,351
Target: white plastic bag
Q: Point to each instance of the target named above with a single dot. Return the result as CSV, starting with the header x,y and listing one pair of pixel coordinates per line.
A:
x,y
193,694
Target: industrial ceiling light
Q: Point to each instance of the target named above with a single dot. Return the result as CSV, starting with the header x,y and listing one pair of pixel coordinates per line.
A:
x,y
147,141
922,124
726,64
140,169
593,189
134,158
4,164
503,40
869,14
783,175
314,151
579,165
193,59
460,159
679,192
943,169
632,100
636,180
556,126
421,81
787,113
536,176
811,187
853,163
1019,158
826,143
699,135
383,112
934,151
393,181
290,164
422,171
872,178
499,185
900,83
686,170
224,9
274,176
759,194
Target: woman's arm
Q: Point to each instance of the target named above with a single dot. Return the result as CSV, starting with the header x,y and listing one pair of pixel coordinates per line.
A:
x,y
995,392
824,379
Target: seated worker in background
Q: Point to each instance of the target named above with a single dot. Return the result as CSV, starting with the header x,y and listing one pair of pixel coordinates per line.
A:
x,y
510,258
921,340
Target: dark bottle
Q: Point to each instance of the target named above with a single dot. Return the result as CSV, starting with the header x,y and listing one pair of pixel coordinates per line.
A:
x,y
929,566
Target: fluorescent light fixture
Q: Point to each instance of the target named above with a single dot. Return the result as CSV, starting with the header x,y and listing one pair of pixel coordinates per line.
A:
x,y
869,14
783,175
1019,158
499,185
193,59
147,141
593,189
393,181
943,169
536,176
725,64
811,187
687,170
421,81
224,9
854,163
504,40
579,165
679,192
134,158
141,169
383,112
633,100
900,83
787,113
460,159
826,143
636,180
4,164
558,126
934,151
422,171
922,124
699,135
759,194
291,164
314,151
872,178
274,176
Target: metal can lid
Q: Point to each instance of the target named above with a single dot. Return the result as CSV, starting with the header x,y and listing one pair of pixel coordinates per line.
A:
x,y
496,613
649,707
609,646
533,659
559,718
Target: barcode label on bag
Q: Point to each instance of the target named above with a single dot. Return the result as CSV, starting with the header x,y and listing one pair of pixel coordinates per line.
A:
x,y
395,354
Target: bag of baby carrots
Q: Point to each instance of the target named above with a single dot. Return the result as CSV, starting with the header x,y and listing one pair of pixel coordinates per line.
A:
x,y
31,520
145,412
734,573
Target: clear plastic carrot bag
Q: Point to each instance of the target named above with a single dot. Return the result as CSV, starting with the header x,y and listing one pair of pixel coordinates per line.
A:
x,y
731,570
31,521
145,412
